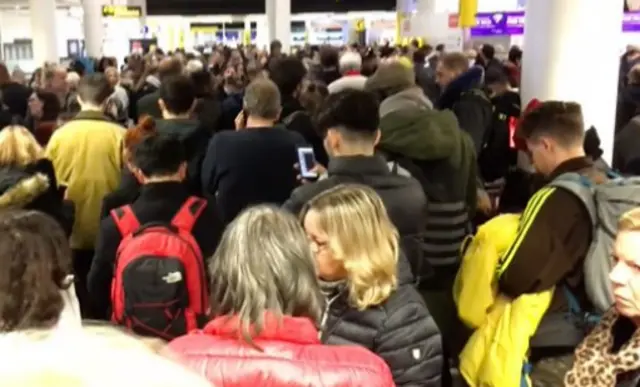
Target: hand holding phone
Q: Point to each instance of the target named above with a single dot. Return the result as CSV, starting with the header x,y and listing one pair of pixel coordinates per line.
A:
x,y
307,163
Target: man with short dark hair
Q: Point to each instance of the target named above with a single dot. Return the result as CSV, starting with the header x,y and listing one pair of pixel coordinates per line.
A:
x,y
462,93
253,164
556,229
177,101
489,61
86,154
148,104
159,165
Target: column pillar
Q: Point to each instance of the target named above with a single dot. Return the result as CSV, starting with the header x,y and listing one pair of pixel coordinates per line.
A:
x,y
279,22
44,31
423,21
557,34
93,26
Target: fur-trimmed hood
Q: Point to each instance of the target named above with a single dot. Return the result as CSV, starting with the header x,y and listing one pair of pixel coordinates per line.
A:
x,y
18,189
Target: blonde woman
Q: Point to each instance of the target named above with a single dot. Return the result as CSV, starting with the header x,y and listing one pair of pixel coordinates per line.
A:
x,y
267,303
27,179
356,254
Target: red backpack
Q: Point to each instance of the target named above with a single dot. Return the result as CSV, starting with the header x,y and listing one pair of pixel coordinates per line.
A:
x,y
159,283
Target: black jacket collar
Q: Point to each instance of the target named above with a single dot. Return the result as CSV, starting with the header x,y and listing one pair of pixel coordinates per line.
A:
x,y
162,191
358,165
471,79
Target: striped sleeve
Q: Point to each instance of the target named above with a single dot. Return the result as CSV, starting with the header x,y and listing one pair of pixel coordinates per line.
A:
x,y
529,215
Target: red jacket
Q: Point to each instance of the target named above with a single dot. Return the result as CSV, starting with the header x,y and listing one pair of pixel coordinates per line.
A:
x,y
291,355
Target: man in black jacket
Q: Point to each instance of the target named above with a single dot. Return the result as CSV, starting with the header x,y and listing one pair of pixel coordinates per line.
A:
x,y
148,105
350,125
254,163
177,103
462,93
159,164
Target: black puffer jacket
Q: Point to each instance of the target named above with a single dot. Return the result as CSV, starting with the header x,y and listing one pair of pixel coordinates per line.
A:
x,y
401,331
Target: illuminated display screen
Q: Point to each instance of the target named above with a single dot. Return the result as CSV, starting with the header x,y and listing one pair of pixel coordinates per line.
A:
x,y
121,11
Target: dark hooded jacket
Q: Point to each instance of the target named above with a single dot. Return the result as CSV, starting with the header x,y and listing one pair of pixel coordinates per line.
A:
x,y
34,187
465,98
628,106
296,119
400,330
429,145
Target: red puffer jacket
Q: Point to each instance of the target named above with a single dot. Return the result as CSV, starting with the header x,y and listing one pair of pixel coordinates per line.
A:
x,y
291,356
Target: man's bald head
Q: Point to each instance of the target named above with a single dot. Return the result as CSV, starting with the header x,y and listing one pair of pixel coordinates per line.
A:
x,y
169,67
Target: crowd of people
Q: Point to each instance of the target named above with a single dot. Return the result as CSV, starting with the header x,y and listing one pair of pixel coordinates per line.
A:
x,y
158,216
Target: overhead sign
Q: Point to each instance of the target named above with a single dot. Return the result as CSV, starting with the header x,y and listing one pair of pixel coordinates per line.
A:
x,y
512,23
210,28
122,11
498,23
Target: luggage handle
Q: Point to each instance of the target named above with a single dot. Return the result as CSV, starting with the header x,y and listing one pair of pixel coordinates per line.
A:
x,y
149,225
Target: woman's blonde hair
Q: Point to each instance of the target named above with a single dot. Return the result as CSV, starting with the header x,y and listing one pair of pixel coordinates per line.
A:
x,y
18,146
264,265
363,238
630,221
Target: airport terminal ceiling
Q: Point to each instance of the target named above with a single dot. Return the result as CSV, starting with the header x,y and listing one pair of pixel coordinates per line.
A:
x,y
213,7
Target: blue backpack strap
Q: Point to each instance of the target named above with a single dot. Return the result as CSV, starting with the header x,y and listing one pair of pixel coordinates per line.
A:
x,y
589,319
572,301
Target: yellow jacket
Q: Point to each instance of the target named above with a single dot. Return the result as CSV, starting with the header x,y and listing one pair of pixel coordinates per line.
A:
x,y
87,156
497,350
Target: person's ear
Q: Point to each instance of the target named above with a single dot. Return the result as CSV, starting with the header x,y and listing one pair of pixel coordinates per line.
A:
x,y
547,144
162,105
378,136
333,139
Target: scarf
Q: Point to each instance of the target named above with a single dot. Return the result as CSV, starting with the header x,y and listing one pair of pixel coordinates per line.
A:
x,y
595,364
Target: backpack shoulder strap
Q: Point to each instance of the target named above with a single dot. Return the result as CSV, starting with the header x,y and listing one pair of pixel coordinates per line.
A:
x,y
582,187
187,215
125,220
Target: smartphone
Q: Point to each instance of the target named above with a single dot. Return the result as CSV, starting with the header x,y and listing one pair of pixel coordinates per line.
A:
x,y
307,161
